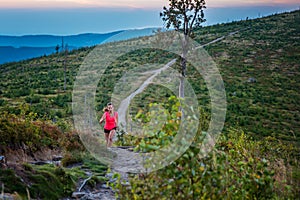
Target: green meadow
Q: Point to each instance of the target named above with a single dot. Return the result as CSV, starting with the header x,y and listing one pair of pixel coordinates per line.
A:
x,y
256,157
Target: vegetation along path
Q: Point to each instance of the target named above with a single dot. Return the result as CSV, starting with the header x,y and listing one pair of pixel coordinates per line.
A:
x,y
122,110
126,161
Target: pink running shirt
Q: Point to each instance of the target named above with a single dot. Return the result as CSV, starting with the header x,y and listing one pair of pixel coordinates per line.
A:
x,y
110,122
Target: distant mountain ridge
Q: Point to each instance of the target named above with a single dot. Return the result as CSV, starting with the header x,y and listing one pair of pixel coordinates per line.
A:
x,y
17,48
13,54
80,40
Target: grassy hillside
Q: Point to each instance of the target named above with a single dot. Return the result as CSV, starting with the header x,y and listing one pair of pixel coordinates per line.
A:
x,y
259,66
261,70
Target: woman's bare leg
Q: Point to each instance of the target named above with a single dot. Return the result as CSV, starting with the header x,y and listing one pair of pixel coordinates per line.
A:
x,y
107,138
111,135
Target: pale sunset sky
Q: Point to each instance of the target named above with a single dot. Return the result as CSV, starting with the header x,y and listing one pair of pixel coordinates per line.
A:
x,y
129,3
65,17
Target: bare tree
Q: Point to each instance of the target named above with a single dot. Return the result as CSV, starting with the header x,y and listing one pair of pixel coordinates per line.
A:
x,y
65,67
184,16
57,48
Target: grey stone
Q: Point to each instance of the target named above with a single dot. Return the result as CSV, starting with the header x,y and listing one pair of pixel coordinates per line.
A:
x,y
57,158
6,196
104,186
2,158
251,80
78,194
41,162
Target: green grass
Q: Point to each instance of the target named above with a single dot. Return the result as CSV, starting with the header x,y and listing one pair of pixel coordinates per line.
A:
x,y
24,134
49,181
268,52
46,182
264,49
11,182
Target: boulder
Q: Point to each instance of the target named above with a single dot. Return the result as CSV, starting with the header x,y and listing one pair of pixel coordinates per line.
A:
x,y
2,162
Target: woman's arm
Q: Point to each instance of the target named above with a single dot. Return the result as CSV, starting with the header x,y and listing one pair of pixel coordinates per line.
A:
x,y
102,118
116,118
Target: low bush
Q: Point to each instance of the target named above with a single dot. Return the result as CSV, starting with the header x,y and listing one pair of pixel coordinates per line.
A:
x,y
239,167
33,99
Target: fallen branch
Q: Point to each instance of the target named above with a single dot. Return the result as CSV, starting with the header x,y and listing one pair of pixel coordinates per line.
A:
x,y
84,183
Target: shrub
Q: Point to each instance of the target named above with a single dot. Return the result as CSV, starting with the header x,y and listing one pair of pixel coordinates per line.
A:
x,y
33,99
238,168
46,91
15,132
62,100
3,102
13,93
25,129
71,158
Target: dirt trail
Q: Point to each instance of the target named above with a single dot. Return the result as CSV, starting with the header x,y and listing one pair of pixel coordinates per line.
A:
x,y
122,110
123,107
127,161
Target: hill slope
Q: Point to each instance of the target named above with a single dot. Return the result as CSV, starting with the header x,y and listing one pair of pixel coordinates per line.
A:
x,y
259,65
261,70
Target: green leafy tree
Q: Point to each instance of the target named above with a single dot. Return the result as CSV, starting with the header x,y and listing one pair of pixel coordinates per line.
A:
x,y
184,16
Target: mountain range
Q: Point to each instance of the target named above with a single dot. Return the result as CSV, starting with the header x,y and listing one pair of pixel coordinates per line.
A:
x,y
17,48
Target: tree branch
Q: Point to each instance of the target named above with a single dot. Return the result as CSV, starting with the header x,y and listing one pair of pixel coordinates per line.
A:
x,y
193,20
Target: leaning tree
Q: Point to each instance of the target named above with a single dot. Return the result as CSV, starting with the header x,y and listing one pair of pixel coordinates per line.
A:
x,y
184,16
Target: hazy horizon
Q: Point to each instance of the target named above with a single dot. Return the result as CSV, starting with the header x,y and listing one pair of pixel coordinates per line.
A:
x,y
72,20
132,4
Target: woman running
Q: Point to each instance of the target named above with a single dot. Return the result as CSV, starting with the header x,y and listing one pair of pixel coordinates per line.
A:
x,y
111,120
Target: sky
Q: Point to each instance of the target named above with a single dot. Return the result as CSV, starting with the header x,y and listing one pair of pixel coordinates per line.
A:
x,y
127,3
67,17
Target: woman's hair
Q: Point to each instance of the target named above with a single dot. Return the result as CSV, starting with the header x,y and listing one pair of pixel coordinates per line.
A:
x,y
105,109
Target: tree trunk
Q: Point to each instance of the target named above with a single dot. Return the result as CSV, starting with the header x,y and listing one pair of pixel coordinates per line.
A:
x,y
183,71
65,69
65,78
181,87
183,65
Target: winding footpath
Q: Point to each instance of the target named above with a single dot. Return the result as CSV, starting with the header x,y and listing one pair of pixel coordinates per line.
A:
x,y
122,110
127,161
